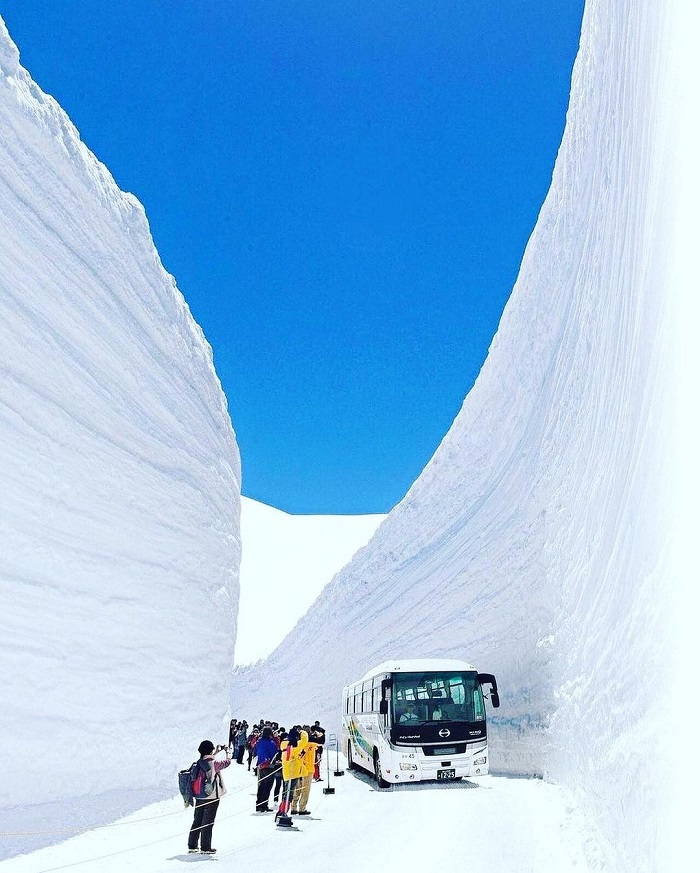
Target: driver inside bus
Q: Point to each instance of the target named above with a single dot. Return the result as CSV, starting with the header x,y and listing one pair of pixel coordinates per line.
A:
x,y
409,714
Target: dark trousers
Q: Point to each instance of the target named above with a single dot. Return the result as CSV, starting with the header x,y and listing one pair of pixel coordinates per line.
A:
x,y
239,754
266,777
203,824
277,780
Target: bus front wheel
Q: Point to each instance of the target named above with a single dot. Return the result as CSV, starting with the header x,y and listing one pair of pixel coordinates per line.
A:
x,y
381,782
351,763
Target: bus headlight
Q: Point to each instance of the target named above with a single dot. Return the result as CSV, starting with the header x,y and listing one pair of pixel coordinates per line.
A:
x,y
478,761
408,766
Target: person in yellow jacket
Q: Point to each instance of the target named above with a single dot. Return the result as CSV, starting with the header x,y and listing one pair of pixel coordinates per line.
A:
x,y
307,757
290,752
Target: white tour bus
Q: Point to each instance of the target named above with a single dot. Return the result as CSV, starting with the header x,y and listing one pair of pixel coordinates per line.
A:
x,y
419,719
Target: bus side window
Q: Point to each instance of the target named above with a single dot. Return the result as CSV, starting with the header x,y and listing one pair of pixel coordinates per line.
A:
x,y
367,697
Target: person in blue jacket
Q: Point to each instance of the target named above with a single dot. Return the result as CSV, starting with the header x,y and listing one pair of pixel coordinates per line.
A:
x,y
267,752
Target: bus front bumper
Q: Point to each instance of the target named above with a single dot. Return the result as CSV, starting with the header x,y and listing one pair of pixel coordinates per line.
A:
x,y
447,769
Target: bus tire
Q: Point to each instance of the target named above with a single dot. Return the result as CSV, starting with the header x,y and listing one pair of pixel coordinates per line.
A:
x,y
351,764
381,781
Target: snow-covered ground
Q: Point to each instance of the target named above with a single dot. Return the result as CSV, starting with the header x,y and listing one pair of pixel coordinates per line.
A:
x,y
508,825
537,543
286,562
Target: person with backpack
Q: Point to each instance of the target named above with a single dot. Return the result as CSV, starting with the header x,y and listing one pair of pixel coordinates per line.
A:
x,y
207,789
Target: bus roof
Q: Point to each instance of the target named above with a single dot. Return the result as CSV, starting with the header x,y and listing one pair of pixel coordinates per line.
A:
x,y
419,665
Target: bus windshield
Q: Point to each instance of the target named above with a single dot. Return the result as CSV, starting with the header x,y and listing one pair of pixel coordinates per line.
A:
x,y
424,698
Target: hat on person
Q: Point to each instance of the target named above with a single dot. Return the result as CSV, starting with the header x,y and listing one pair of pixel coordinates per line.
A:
x,y
206,747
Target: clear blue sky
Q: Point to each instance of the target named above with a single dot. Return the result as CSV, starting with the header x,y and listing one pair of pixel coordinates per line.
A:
x,y
343,191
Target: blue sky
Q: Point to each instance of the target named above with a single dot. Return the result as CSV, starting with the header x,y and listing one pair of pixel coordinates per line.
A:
x,y
343,192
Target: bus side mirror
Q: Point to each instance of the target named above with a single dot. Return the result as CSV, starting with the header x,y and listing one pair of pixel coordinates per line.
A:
x,y
490,679
383,707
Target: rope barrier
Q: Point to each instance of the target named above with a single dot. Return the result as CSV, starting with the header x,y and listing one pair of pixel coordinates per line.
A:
x,y
162,840
143,821
114,824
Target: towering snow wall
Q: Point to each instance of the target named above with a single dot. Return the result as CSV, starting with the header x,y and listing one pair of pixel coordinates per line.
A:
x,y
119,515
532,543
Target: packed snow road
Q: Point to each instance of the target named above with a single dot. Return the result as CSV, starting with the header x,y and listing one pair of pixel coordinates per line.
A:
x,y
509,825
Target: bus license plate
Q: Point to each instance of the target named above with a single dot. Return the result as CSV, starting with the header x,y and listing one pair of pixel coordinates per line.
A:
x,y
446,774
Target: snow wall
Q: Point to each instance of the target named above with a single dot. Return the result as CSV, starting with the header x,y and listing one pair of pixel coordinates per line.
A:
x,y
119,518
533,543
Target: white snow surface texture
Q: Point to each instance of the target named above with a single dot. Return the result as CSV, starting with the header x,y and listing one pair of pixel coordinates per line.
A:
x,y
533,543
119,520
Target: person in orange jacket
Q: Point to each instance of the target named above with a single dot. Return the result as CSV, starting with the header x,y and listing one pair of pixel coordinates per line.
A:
x,y
290,751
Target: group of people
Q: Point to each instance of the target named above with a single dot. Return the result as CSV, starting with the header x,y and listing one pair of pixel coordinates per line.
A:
x,y
285,764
